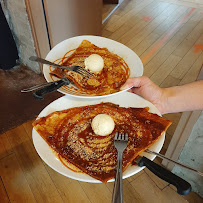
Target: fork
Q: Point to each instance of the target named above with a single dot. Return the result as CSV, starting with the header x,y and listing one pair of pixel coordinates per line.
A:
x,y
78,69
120,142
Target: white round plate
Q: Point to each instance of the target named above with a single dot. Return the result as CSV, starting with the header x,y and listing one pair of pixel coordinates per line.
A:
x,y
129,56
125,99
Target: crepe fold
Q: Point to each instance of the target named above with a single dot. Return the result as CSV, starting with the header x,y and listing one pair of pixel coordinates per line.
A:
x,y
71,137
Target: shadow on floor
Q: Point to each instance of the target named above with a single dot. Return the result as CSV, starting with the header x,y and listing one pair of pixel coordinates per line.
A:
x,y
16,107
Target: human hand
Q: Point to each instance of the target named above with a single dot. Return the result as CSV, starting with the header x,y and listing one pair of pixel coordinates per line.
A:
x,y
145,88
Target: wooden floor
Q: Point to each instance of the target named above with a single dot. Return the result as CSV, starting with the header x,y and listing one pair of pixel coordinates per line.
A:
x,y
166,37
107,9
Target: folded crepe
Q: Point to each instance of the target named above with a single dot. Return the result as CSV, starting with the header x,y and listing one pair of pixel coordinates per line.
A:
x,y
71,137
112,77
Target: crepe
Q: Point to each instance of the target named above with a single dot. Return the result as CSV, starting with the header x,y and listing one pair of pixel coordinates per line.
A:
x,y
112,77
71,137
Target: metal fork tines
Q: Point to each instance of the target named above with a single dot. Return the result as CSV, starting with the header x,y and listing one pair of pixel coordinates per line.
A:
x,y
81,71
120,142
78,69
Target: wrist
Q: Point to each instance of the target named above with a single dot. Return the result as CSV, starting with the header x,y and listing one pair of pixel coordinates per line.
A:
x,y
159,99
164,102
169,102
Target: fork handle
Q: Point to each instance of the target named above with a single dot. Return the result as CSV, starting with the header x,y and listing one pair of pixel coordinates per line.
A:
x,y
43,61
118,184
71,68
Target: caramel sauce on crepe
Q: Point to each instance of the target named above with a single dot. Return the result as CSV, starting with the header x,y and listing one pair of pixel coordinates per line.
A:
x,y
71,137
112,77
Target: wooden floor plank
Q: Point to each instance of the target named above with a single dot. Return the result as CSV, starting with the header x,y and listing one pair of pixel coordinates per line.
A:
x,y
167,14
131,178
36,175
167,140
127,6
122,12
106,33
125,28
189,41
142,47
14,180
161,184
170,81
192,197
130,194
162,53
97,192
119,32
110,186
165,69
169,41
171,20
194,71
138,38
173,196
3,193
188,3
187,61
106,9
116,21
28,128
69,189
174,117
147,189
152,12
5,147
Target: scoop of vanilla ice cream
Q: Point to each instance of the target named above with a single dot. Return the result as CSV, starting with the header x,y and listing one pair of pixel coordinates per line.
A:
x,y
103,124
94,63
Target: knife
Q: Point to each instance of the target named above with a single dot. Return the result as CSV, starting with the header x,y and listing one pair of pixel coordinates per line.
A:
x,y
183,187
173,161
53,86
30,89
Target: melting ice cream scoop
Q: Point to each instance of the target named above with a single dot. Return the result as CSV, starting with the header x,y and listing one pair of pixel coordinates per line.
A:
x,y
94,63
103,124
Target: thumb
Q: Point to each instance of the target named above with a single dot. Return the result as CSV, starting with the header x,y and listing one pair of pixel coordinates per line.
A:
x,y
128,84
132,82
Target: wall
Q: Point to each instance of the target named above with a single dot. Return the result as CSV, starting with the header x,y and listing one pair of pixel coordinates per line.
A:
x,y
16,15
72,18
192,155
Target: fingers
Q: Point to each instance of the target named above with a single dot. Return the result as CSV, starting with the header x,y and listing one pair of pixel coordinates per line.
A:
x,y
136,91
130,90
135,82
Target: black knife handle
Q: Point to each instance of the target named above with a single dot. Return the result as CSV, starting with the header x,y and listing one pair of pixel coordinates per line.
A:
x,y
39,94
183,187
